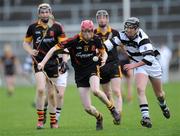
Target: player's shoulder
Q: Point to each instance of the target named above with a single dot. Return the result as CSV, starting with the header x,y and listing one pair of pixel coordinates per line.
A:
x,y
96,37
56,23
115,32
33,24
142,34
74,38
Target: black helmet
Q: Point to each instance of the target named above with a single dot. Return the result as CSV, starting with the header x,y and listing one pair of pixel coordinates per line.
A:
x,y
132,22
102,13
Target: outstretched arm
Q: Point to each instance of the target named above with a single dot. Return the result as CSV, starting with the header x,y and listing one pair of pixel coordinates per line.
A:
x,y
104,56
46,58
133,65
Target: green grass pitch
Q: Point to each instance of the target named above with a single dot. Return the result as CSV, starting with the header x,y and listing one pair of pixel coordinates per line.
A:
x,y
18,117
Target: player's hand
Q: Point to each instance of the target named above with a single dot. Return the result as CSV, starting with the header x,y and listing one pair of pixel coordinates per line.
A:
x,y
34,52
128,66
63,67
40,66
103,62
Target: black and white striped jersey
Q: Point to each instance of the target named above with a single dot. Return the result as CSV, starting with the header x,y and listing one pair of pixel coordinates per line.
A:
x,y
138,49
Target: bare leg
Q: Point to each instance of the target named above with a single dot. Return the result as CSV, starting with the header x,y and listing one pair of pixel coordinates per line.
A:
x,y
86,101
52,104
141,83
107,90
129,85
116,85
157,87
40,98
41,82
94,84
10,81
60,100
51,97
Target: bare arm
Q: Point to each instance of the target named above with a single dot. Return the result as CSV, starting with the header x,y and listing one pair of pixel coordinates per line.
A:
x,y
46,58
133,65
104,56
27,47
65,57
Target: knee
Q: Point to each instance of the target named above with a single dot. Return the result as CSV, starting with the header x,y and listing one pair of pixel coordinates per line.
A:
x,y
51,96
88,110
41,92
96,92
117,92
107,92
140,91
60,96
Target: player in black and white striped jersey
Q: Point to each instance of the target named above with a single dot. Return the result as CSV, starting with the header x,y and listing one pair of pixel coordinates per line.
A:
x,y
145,64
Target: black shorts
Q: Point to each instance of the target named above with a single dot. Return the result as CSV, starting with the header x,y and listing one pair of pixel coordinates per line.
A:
x,y
109,71
82,77
9,71
122,63
50,69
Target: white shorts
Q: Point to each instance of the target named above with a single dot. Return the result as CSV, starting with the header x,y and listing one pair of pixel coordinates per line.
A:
x,y
153,71
62,80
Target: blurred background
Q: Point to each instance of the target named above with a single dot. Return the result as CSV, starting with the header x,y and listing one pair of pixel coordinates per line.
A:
x,y
160,19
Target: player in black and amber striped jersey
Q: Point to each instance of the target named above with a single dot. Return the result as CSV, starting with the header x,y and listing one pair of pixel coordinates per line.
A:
x,y
111,72
82,49
44,37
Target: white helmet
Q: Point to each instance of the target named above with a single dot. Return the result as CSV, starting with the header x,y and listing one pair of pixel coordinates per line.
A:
x,y
44,6
102,13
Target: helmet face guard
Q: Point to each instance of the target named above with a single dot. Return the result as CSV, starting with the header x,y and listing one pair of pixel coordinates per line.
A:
x,y
102,18
102,13
131,27
131,22
44,8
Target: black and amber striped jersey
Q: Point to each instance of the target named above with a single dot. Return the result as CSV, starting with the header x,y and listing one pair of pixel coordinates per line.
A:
x,y
44,38
112,54
81,51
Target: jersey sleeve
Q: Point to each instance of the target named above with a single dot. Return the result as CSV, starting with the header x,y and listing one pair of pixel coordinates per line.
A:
x,y
29,34
146,49
61,34
68,43
115,41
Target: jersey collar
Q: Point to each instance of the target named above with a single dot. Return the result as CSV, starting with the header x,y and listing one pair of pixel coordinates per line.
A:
x,y
108,30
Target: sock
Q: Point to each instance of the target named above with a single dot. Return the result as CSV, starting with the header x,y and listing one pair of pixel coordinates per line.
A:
x,y
162,103
40,115
110,107
52,118
144,110
58,113
99,117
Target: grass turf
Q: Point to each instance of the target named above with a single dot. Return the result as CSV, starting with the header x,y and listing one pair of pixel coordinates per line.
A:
x,y
18,117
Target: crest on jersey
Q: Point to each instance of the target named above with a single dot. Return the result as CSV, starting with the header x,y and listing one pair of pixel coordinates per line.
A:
x,y
51,33
86,47
145,48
